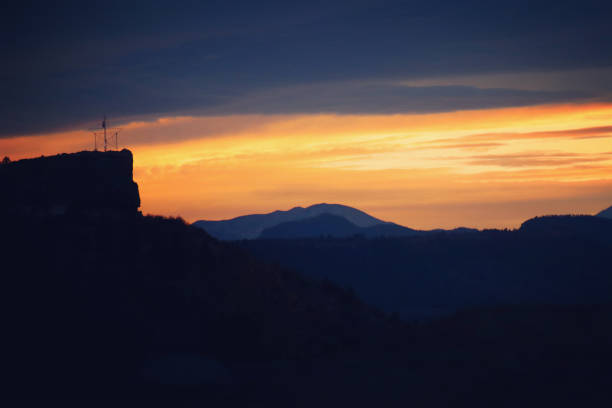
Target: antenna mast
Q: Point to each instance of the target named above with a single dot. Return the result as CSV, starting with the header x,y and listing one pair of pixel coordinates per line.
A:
x,y
104,127
103,131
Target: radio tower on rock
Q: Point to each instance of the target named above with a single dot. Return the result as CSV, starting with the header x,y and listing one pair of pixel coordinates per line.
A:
x,y
103,130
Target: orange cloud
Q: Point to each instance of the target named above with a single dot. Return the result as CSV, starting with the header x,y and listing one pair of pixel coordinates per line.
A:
x,y
487,168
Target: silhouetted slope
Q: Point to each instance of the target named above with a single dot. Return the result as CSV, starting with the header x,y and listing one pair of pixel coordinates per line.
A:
x,y
110,308
585,227
549,260
535,356
251,226
524,355
96,293
607,213
148,311
84,181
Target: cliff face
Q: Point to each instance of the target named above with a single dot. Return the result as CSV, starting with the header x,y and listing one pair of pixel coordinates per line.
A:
x,y
92,182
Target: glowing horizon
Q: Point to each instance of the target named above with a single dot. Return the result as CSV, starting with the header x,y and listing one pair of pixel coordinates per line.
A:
x,y
478,168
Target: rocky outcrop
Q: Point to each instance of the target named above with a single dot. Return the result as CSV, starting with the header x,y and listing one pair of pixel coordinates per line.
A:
x,y
85,182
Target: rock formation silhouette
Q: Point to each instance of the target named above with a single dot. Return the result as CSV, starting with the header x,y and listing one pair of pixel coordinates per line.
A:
x,y
92,182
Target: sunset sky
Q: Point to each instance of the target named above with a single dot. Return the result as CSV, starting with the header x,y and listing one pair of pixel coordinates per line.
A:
x,y
444,114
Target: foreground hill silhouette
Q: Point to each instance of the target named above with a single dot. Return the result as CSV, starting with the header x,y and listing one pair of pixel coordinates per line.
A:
x,y
550,260
112,308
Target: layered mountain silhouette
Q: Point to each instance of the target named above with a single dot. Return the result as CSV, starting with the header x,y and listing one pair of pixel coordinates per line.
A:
x,y
550,260
107,307
332,220
332,226
251,226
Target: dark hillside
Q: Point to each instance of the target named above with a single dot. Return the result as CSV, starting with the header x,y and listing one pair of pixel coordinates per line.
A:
x,y
106,307
579,227
90,294
101,295
150,310
552,260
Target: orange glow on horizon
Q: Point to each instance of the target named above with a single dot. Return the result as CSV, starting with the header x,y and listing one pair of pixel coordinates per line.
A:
x,y
485,168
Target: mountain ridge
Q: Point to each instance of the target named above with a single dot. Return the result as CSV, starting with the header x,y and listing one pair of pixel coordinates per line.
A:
x,y
256,226
252,225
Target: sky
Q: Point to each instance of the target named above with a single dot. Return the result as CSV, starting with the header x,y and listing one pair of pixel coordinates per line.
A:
x,y
429,114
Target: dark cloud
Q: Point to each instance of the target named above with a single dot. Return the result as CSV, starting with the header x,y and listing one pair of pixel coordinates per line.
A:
x,y
66,63
357,98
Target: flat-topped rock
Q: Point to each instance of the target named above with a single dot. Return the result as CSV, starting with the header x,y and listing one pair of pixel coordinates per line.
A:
x,y
88,181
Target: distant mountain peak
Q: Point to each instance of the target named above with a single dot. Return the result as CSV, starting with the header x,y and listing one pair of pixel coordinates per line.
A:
x,y
322,219
251,226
